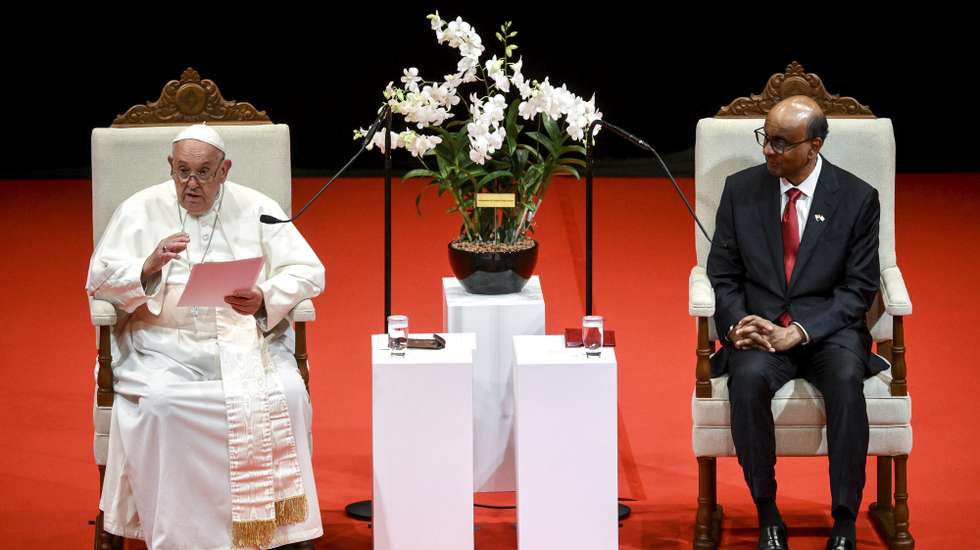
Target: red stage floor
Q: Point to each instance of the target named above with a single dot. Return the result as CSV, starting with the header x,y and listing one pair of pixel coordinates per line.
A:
x,y
644,252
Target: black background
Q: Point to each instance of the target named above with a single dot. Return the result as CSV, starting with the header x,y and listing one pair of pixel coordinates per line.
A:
x,y
321,69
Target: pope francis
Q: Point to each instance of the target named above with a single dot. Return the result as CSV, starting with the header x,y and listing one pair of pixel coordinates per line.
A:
x,y
210,438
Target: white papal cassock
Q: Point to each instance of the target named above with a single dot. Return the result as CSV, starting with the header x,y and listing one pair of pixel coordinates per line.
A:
x,y
210,439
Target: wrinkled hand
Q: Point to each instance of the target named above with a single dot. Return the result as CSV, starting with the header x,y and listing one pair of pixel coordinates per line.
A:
x,y
246,301
755,332
784,338
752,332
167,249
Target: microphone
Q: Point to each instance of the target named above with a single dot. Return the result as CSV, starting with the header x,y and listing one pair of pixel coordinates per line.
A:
x,y
384,115
376,125
646,146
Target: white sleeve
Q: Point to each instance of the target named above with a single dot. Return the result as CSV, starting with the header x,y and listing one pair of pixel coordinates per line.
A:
x,y
294,271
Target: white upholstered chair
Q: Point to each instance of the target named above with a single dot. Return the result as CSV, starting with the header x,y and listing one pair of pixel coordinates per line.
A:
x,y
132,155
865,146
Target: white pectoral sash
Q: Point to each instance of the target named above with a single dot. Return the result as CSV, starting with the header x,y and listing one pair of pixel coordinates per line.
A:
x,y
266,483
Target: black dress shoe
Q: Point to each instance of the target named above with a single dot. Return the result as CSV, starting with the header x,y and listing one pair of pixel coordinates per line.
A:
x,y
773,537
839,543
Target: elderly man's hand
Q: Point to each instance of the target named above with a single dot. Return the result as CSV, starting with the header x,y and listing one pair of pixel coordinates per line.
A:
x,y
167,249
246,301
755,332
784,338
752,332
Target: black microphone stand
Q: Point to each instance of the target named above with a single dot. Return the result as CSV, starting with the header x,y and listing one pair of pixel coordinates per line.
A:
x,y
362,509
624,511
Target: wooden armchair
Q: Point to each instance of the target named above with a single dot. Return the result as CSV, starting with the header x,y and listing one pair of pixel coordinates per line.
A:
x,y
131,155
864,145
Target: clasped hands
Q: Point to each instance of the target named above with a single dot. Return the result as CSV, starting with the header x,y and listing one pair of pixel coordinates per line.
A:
x,y
754,332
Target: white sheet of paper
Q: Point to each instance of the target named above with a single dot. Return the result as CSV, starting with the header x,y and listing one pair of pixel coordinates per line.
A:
x,y
210,282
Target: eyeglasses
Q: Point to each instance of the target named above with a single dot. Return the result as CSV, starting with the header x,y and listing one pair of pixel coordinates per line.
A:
x,y
203,176
779,145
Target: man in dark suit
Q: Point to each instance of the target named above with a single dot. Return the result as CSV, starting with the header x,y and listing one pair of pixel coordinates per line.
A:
x,y
794,265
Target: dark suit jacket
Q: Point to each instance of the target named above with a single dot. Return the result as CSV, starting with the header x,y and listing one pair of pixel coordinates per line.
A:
x,y
836,273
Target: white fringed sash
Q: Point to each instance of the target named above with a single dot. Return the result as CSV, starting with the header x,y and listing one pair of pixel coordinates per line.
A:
x,y
264,472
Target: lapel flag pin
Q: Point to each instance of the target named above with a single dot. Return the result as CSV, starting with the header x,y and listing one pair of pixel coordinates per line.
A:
x,y
819,217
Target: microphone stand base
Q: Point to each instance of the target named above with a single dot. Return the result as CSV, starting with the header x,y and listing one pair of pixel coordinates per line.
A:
x,y
360,510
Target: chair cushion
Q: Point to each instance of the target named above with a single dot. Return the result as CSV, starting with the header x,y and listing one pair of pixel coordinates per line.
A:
x,y
798,411
794,441
102,418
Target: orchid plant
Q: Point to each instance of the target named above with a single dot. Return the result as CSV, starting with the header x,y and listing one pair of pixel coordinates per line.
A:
x,y
517,135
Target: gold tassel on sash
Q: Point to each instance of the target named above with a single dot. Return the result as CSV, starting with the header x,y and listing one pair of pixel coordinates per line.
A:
x,y
291,510
253,533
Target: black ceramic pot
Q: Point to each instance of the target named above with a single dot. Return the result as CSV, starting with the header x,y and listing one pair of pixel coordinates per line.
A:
x,y
493,272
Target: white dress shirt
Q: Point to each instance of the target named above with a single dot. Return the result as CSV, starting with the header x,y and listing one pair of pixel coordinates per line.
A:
x,y
807,187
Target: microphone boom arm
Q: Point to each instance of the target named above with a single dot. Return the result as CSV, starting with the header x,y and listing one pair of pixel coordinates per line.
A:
x,y
589,146
382,116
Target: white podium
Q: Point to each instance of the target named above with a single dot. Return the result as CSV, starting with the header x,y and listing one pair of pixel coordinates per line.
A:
x,y
566,446
422,437
495,319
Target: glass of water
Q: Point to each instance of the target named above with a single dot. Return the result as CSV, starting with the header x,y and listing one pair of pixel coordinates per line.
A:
x,y
397,334
592,335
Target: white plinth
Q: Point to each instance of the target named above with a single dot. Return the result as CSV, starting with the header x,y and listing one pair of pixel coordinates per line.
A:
x,y
422,436
565,405
495,319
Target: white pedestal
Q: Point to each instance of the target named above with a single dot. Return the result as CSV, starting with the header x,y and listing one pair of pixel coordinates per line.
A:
x,y
422,436
495,319
566,446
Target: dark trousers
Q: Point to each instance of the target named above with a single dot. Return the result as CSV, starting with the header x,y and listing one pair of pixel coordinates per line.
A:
x,y
755,376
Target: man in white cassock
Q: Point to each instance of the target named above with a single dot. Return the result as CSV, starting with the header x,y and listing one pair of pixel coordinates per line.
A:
x,y
210,439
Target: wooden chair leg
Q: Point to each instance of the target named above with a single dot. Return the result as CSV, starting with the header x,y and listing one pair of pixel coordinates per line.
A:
x,y
892,519
104,540
903,539
707,528
301,357
884,502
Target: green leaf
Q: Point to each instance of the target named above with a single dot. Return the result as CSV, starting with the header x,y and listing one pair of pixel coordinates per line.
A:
x,y
573,149
532,151
520,161
551,127
576,162
419,173
544,140
500,37
444,162
495,175
564,169
511,126
497,164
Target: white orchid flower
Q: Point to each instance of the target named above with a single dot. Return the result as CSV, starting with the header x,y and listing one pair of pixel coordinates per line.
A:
x,y
411,79
495,70
424,104
517,79
378,140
